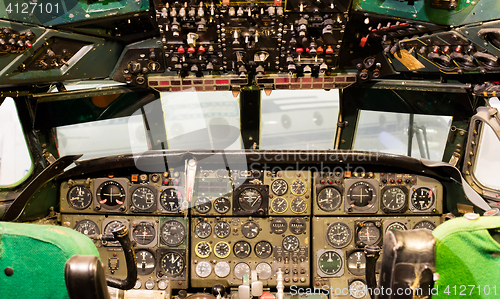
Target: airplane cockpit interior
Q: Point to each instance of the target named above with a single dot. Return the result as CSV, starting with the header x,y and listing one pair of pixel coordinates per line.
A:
x,y
249,149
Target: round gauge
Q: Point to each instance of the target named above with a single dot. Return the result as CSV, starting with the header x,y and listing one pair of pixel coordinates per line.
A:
x,y
291,243
203,205
143,233
145,262
298,205
79,197
172,263
203,249
203,229
110,194
278,225
330,262
394,199
338,235
170,199
242,249
250,229
222,269
263,249
250,199
87,227
369,233
241,269
396,225
222,205
424,224
279,187
264,270
173,233
422,198
222,229
356,262
299,187
279,205
143,198
357,289
361,194
329,199
222,250
108,230
297,225
203,269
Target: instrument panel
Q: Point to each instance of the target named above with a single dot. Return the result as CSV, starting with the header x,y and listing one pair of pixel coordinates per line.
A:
x,y
312,225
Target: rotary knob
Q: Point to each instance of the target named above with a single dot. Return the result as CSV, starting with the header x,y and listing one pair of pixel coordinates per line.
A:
x,y
134,67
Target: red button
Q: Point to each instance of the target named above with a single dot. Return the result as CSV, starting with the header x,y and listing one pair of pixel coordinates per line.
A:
x,y
28,45
400,181
299,50
329,50
201,49
308,50
181,50
319,50
287,279
392,181
330,182
191,50
295,279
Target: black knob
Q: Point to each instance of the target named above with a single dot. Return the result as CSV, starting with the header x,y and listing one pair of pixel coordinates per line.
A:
x,y
152,55
218,289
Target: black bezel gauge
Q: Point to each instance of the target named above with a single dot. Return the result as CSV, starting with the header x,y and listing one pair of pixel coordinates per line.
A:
x,y
87,227
142,199
251,200
279,187
222,205
263,249
172,264
338,235
250,229
422,199
290,243
394,199
173,233
298,205
242,249
170,200
329,199
425,224
144,233
361,197
79,197
146,262
203,205
368,233
110,195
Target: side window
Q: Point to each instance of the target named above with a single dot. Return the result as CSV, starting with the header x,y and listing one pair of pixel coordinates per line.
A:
x,y
15,160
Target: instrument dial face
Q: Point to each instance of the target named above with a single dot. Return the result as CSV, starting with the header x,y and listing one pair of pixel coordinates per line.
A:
x,y
222,229
356,262
222,205
250,229
203,269
424,224
329,199
241,269
291,243
143,198
369,233
173,233
330,263
222,250
170,199
299,187
203,249
338,235
396,225
242,249
298,205
145,262
394,199
422,198
361,194
357,289
79,197
222,269
144,233
264,270
250,199
279,205
263,249
278,225
87,227
111,194
172,264
279,187
298,225
203,229
203,205
108,230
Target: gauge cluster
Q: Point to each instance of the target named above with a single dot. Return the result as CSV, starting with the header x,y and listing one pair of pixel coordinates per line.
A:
x,y
381,193
290,192
213,193
161,245
225,248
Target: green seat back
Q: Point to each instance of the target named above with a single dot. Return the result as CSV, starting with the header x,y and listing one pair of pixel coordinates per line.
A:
x,y
37,255
467,259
